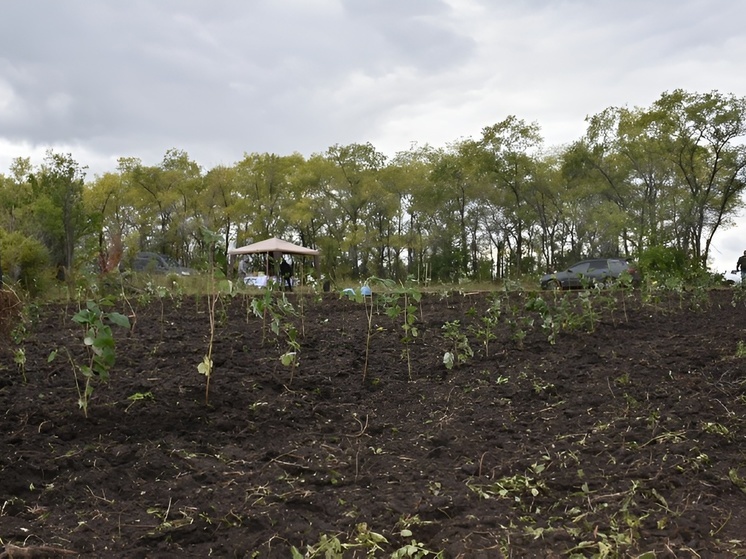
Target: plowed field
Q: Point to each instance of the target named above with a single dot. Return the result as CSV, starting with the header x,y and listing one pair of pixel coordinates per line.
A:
x,y
609,425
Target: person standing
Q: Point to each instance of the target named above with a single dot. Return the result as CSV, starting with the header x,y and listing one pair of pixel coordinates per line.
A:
x,y
242,267
286,271
741,266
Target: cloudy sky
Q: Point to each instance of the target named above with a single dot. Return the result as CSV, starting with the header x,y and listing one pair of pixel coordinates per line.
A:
x,y
103,79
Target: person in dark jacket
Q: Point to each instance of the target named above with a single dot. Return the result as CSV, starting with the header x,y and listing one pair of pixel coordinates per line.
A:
x,y
286,272
741,267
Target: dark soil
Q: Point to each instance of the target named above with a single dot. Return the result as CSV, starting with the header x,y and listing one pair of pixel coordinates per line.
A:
x,y
625,436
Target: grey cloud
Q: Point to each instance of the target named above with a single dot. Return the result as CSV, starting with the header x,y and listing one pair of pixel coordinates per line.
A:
x,y
411,33
222,77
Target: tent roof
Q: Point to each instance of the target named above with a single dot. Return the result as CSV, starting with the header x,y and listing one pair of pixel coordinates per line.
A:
x,y
273,245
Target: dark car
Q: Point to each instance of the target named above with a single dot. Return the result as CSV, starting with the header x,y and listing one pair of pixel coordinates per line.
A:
x,y
589,273
155,263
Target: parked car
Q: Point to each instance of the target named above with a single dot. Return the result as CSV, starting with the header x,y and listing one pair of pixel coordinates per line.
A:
x,y
733,277
155,263
589,273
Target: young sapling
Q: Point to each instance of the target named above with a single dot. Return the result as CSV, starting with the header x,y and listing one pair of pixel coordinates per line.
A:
x,y
99,342
459,350
213,295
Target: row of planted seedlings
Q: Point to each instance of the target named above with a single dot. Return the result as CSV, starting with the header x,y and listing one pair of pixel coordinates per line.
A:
x,y
510,316
98,319
518,311
514,311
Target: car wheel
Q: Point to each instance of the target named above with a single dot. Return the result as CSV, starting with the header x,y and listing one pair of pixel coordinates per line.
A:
x,y
554,284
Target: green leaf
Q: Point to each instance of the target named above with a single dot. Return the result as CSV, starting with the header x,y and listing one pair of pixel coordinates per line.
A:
x,y
205,368
448,360
83,317
119,319
393,311
288,358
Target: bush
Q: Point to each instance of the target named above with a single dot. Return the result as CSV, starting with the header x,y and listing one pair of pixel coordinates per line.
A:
x,y
660,262
10,313
25,261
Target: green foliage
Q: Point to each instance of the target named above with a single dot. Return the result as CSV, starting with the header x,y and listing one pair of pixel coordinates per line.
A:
x,y
263,306
447,264
669,175
485,331
408,296
139,397
589,310
98,339
365,296
659,262
281,314
58,214
205,367
519,488
371,544
549,320
13,316
459,350
26,261
519,328
19,358
291,356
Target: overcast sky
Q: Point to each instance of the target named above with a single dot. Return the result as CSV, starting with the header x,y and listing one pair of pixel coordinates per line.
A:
x,y
103,79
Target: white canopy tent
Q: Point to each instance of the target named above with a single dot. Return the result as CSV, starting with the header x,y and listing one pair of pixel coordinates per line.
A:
x,y
276,247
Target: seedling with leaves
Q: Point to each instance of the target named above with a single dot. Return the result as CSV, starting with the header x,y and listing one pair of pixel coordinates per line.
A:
x,y
459,350
409,295
14,319
213,295
485,332
365,296
519,328
138,397
99,342
262,307
281,313
589,312
19,358
549,322
368,543
291,357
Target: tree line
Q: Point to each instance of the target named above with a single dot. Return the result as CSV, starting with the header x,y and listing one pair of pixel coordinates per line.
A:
x,y
669,175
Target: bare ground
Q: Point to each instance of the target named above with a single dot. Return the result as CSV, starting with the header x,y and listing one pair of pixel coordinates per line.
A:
x,y
623,437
